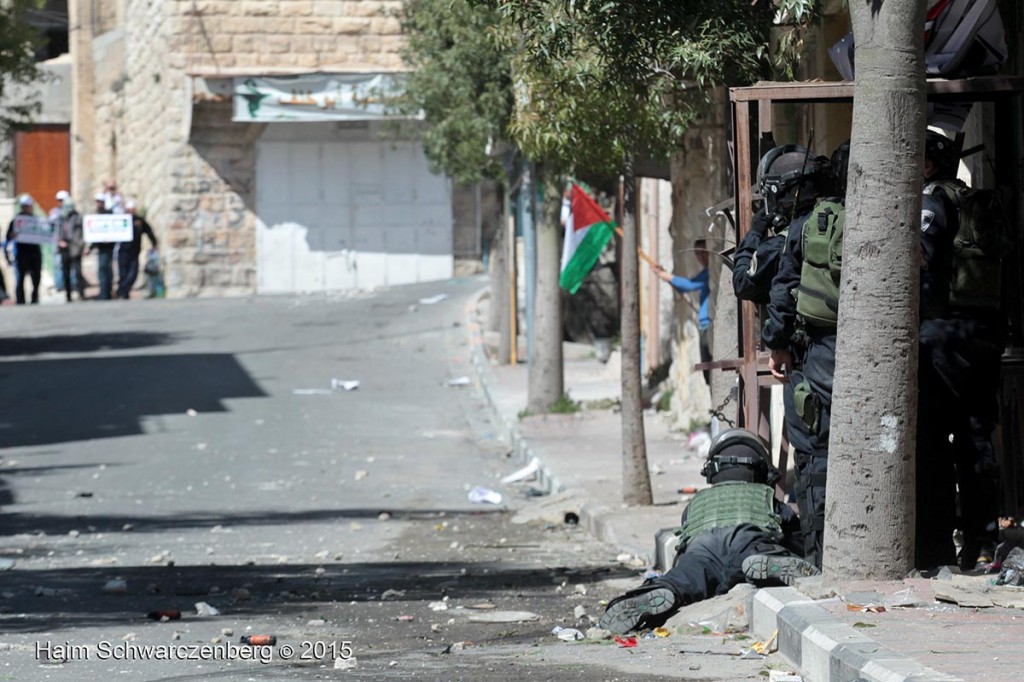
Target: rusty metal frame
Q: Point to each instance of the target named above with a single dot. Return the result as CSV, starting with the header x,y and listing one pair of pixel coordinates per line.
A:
x,y
754,103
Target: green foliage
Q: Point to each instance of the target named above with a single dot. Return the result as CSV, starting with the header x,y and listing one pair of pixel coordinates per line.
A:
x,y
18,42
564,405
598,81
460,82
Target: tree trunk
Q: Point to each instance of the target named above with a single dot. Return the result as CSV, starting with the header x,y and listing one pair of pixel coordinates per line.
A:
x,y
545,373
500,301
636,477
870,508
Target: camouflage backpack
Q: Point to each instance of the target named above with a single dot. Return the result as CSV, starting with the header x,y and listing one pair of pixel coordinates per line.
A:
x,y
978,248
817,296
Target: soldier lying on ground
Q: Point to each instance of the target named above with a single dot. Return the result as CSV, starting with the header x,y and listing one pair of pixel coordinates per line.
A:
x,y
733,531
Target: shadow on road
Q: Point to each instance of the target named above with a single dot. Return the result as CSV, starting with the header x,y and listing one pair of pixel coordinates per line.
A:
x,y
83,343
277,590
74,399
14,524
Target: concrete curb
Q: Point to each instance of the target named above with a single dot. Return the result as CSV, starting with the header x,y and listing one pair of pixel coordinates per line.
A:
x,y
597,519
826,649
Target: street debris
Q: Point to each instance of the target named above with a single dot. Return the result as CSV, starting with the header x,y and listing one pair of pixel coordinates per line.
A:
x,y
345,663
567,634
661,632
783,676
361,474
526,472
1012,571
392,594
626,642
312,391
598,633
481,606
345,384
700,442
433,299
504,617
580,589
205,610
258,640
438,606
580,612
115,586
866,608
480,495
405,618
904,599
459,381
165,615
6,564
190,412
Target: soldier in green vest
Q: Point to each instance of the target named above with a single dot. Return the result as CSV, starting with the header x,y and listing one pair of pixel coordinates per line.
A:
x,y
800,331
732,532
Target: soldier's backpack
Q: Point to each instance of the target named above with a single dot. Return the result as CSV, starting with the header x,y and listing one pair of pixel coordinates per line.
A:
x,y
817,296
979,246
728,504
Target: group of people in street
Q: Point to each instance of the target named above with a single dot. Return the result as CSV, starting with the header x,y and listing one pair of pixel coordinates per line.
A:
x,y
789,263
70,245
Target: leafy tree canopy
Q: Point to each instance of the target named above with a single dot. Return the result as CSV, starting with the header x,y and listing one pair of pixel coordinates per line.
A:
x,y
18,41
460,80
599,80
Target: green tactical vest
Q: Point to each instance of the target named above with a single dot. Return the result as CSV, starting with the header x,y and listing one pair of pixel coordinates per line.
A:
x,y
817,296
979,245
729,504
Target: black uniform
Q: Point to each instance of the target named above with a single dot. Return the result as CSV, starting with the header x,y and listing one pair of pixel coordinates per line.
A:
x,y
809,387
712,563
958,383
128,256
28,262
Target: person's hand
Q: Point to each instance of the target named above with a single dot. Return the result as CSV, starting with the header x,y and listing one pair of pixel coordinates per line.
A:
x,y
62,244
780,362
662,273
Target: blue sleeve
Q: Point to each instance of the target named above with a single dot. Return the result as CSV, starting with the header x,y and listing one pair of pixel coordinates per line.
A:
x,y
680,283
781,319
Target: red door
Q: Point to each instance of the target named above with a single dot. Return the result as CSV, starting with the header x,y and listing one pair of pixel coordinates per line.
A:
x,y
42,162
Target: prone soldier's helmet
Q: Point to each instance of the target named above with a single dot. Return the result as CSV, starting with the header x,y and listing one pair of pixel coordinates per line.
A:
x,y
942,151
788,178
739,455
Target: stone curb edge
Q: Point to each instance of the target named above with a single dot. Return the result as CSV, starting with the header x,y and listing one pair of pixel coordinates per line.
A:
x,y
595,518
825,648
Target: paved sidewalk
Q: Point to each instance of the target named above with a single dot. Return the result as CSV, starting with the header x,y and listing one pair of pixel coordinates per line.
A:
x,y
580,467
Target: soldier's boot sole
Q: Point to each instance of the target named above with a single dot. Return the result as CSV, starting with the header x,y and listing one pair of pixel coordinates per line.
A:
x,y
635,611
761,568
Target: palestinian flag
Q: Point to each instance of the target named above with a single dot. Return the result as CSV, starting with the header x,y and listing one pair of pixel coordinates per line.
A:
x,y
587,233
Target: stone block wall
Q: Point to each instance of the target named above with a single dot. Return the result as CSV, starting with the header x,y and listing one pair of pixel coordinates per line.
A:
x,y
283,35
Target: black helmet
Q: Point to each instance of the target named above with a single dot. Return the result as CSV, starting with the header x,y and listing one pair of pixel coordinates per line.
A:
x,y
742,451
787,175
838,165
942,152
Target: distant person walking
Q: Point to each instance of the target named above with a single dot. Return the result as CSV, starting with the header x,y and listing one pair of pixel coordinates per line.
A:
x,y
70,245
105,256
128,254
28,258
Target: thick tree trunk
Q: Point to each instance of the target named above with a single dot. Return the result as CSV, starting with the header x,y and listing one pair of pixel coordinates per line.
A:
x,y
636,477
500,301
870,496
545,375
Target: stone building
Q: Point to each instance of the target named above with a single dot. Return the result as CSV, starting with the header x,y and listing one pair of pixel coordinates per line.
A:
x,y
247,131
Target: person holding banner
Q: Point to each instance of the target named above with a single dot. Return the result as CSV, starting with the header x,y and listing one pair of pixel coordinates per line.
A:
x,y
701,283
104,254
26,233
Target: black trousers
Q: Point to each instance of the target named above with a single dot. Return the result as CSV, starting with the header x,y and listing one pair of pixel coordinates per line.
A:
x,y
809,434
712,563
27,263
127,270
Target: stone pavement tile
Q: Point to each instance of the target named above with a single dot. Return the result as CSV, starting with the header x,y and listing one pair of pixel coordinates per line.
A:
x,y
972,644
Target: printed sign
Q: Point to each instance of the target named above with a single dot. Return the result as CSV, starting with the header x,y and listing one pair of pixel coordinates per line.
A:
x,y
106,227
313,97
28,229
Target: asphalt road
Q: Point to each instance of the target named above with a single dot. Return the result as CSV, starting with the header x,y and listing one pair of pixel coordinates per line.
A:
x,y
195,450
